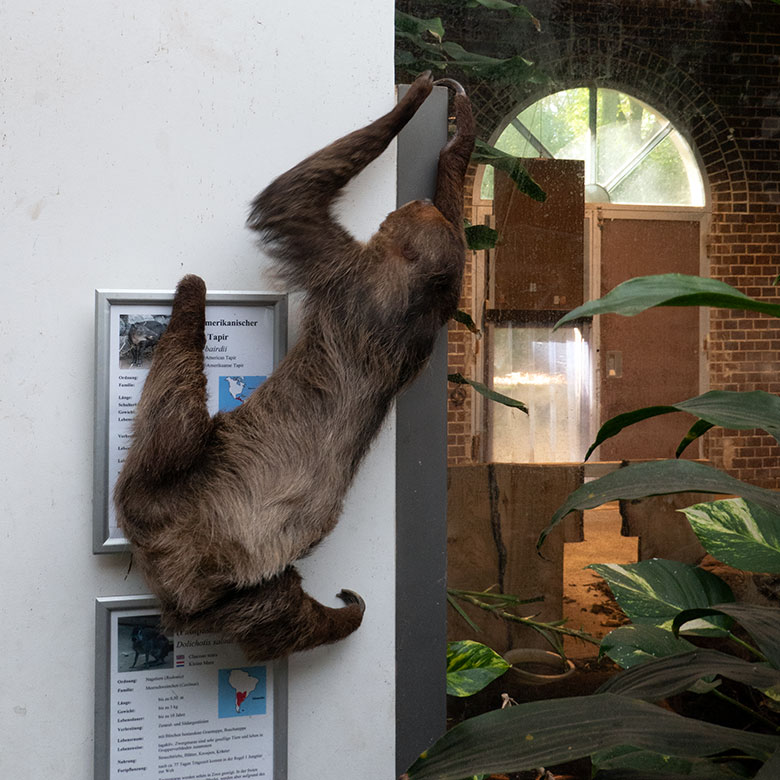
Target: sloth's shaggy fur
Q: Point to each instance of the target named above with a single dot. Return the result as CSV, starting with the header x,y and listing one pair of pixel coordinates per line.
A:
x,y
217,509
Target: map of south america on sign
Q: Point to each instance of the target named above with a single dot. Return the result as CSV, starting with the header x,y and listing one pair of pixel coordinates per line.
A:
x,y
242,691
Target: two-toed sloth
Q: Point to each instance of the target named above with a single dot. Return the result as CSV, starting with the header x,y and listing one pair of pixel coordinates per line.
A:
x,y
218,508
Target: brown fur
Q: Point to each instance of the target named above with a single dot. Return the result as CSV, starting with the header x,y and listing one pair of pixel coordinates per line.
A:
x,y
217,509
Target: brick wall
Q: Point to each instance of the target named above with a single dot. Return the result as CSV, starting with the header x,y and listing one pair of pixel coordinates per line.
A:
x,y
464,435
713,68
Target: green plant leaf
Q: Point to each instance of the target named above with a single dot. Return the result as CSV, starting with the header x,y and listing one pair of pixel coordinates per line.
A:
x,y
738,533
628,646
481,237
699,428
771,769
653,592
761,622
645,292
414,25
404,58
465,319
500,398
457,607
503,5
484,154
665,677
704,770
545,733
628,763
510,70
735,410
658,478
471,666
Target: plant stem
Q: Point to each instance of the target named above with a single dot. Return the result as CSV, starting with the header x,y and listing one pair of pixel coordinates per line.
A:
x,y
504,597
537,625
746,709
748,646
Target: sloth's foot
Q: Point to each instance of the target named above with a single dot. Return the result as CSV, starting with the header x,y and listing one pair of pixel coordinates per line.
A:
x,y
350,597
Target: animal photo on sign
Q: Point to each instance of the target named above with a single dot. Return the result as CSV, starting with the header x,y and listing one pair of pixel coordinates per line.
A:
x,y
142,645
138,336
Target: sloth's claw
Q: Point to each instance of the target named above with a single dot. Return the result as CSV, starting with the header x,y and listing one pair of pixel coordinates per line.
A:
x,y
350,597
455,86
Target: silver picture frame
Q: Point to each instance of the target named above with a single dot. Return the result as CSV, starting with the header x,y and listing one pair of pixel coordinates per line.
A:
x,y
130,726
119,311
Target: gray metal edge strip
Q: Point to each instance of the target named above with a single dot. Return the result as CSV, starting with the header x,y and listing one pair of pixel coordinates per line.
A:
x,y
421,489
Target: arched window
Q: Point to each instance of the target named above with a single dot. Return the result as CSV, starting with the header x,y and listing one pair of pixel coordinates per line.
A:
x,y
632,152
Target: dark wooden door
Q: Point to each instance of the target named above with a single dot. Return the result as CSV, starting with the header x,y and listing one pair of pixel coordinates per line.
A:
x,y
652,358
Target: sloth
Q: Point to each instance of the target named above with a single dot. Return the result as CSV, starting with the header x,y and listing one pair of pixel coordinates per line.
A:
x,y
217,509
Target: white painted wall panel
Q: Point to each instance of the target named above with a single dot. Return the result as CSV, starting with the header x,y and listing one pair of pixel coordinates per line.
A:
x,y
132,137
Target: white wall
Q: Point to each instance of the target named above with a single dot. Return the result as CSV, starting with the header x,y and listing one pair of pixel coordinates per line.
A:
x,y
132,136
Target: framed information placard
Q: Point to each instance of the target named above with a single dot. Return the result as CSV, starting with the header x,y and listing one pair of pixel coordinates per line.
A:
x,y
183,706
246,336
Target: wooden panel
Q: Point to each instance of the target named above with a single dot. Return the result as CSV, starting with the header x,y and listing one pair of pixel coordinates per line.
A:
x,y
658,349
494,516
663,531
539,258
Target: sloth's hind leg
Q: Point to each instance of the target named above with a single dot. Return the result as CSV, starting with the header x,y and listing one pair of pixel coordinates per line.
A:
x,y
278,617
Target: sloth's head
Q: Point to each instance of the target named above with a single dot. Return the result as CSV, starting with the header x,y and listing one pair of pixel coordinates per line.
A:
x,y
418,234
417,263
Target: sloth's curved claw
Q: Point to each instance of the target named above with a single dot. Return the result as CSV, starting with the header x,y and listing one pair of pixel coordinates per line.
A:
x,y
455,86
350,597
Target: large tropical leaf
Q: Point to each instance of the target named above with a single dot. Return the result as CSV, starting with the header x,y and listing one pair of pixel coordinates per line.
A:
x,y
699,428
738,533
696,768
503,5
739,411
415,26
492,395
761,622
630,763
654,592
657,478
771,769
546,733
707,771
484,154
630,645
511,70
645,292
471,666
664,677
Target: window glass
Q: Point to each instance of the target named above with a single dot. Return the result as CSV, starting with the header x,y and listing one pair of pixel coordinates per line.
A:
x,y
551,373
560,123
658,178
624,128
632,153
